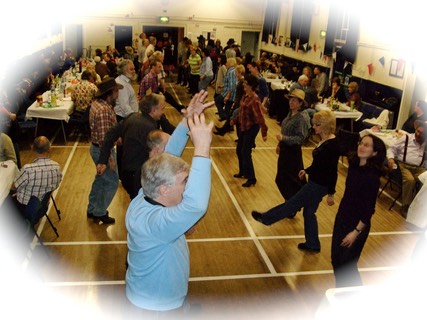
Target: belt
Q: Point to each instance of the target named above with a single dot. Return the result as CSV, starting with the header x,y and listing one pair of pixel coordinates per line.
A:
x,y
95,144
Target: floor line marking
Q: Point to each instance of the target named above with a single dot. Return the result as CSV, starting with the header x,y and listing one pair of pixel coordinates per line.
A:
x,y
120,242
42,223
221,278
244,220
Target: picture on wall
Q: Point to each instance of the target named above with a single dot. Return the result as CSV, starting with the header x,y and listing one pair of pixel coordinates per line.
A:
x,y
397,68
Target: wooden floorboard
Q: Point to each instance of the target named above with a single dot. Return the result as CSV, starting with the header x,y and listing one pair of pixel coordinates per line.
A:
x,y
238,266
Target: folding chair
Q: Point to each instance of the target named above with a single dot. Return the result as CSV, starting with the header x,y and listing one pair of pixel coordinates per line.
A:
x,y
347,142
35,210
394,177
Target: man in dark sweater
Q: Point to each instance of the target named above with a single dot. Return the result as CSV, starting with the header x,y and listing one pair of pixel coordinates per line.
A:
x,y
133,131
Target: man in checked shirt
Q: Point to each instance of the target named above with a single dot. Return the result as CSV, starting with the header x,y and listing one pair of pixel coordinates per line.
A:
x,y
101,118
38,177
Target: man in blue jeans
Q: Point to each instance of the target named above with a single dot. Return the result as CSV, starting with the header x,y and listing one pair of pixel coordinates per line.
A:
x,y
101,118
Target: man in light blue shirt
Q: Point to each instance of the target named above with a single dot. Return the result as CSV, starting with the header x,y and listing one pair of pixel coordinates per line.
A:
x,y
171,201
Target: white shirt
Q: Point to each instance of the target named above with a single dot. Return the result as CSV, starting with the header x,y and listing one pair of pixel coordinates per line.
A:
x,y
127,102
414,153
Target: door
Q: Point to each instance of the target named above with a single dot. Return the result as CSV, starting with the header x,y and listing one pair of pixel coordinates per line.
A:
x,y
74,39
123,38
250,43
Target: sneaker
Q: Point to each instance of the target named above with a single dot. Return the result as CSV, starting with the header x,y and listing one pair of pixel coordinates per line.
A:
x,y
105,219
303,246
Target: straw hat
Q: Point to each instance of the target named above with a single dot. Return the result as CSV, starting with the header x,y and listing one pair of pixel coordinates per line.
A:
x,y
297,93
129,49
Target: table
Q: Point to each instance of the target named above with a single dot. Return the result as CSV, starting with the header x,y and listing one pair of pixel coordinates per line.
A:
x,y
389,137
281,84
61,112
8,173
343,113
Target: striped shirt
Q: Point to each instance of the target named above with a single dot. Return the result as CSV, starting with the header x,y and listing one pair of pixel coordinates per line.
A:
x,y
101,118
37,178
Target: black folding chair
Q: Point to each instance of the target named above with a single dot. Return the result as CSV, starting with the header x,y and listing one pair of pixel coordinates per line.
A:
x,y
347,142
35,210
394,178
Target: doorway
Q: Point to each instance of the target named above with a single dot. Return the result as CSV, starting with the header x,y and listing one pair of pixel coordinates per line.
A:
x,y
123,38
74,39
164,33
250,43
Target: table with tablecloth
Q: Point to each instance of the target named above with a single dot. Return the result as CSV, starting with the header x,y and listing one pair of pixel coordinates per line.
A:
x,y
343,112
8,172
61,111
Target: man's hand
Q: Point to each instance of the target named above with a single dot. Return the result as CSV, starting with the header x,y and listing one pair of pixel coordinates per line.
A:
x,y
201,134
100,169
197,105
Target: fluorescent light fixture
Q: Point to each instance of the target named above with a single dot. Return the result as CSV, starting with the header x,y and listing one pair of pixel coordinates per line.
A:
x,y
322,34
164,19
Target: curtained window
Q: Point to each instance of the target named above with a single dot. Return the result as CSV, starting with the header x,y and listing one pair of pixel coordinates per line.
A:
x,y
342,34
301,20
271,19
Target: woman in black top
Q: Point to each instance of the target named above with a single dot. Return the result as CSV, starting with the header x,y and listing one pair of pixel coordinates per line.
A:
x,y
322,181
353,220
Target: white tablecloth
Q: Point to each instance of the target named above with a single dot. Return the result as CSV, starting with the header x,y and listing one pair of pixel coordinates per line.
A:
x,y
355,115
389,137
61,112
281,84
8,172
417,212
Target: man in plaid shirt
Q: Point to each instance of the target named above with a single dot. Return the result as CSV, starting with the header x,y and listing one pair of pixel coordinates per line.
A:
x,y
101,118
38,177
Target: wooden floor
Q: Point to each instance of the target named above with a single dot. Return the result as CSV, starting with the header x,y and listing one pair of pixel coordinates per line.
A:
x,y
239,267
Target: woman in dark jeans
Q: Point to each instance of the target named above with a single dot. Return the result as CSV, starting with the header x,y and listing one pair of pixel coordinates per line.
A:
x,y
353,220
322,173
251,121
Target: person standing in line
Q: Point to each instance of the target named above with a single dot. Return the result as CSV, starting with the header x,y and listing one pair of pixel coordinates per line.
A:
x,y
127,101
101,119
206,70
141,54
250,121
194,61
323,174
133,132
225,100
353,220
295,129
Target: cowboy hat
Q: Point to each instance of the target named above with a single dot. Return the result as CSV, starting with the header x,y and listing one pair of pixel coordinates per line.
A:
x,y
297,93
107,85
129,49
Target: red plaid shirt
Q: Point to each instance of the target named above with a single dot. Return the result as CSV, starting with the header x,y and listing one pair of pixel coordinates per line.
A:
x,y
101,118
250,114
150,81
